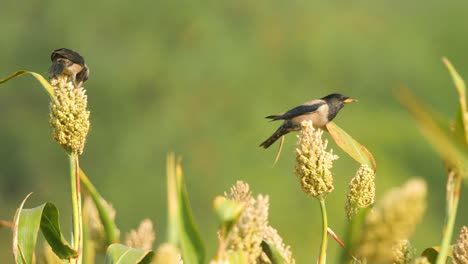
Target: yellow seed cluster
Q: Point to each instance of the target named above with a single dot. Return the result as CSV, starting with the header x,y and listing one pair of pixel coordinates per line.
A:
x,y
393,218
361,191
143,237
247,235
421,260
313,162
240,192
460,250
403,252
252,228
167,253
69,115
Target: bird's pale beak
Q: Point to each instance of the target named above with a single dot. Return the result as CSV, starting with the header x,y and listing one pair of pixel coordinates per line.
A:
x,y
349,100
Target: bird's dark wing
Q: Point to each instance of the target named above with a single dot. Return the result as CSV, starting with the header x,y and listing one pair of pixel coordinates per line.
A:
x,y
69,54
57,67
297,111
83,75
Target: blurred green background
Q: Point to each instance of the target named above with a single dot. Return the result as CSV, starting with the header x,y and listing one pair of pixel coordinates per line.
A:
x,y
197,78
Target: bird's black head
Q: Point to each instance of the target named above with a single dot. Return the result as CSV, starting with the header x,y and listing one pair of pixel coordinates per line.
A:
x,y
69,54
337,98
335,102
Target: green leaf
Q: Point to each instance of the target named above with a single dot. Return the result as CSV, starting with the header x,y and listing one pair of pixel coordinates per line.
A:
x,y
439,136
461,122
272,253
110,228
228,212
50,228
120,254
48,88
18,251
431,254
353,234
181,226
27,224
349,145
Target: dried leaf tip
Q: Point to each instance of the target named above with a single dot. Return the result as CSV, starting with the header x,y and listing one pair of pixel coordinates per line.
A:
x,y
69,116
314,162
361,191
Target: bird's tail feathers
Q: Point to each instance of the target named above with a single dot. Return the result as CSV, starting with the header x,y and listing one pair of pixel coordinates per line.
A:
x,y
282,130
274,117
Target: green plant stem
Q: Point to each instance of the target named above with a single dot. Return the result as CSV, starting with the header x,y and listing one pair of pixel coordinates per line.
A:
x,y
172,200
353,234
453,195
111,230
76,207
323,246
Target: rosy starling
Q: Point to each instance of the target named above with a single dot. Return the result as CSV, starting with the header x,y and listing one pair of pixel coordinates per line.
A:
x,y
319,111
70,63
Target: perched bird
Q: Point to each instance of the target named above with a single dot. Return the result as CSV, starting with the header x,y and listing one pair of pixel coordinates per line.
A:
x,y
71,63
319,111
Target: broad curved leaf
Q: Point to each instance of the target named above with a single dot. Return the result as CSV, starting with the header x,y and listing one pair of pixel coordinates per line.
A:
x,y
120,254
40,78
27,224
18,251
349,145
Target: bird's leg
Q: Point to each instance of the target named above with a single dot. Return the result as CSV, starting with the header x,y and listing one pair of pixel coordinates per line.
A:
x,y
80,84
75,84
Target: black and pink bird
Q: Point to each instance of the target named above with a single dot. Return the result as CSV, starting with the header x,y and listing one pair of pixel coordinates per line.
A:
x,y
71,63
319,111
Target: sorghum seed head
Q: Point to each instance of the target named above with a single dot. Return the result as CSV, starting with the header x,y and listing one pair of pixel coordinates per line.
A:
x,y
392,219
69,116
313,162
361,191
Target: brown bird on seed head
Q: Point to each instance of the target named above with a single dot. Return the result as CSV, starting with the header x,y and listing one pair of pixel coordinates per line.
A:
x,y
319,111
70,63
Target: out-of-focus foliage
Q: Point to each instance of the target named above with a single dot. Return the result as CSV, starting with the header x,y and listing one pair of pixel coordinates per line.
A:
x,y
198,78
